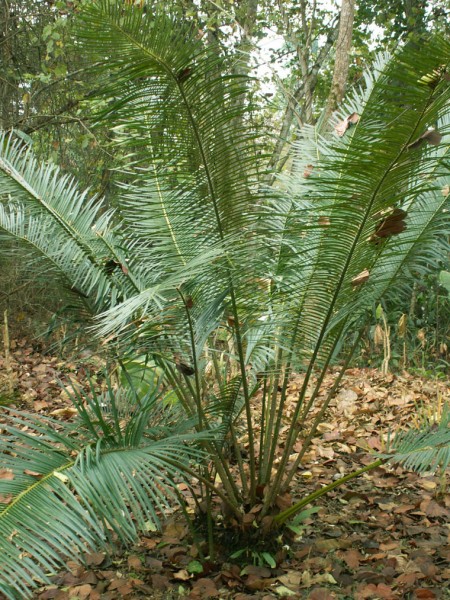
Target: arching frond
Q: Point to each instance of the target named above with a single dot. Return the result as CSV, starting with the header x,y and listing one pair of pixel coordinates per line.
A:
x,y
333,248
423,449
44,208
64,487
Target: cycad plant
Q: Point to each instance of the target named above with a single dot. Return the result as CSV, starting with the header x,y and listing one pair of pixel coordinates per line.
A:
x,y
225,286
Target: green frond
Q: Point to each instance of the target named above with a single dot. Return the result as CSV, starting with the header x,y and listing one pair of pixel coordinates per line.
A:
x,y
424,449
194,153
43,208
176,97
66,488
378,165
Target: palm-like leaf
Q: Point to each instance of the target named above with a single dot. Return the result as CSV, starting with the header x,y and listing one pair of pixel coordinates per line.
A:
x,y
423,449
48,213
376,167
196,190
371,169
65,487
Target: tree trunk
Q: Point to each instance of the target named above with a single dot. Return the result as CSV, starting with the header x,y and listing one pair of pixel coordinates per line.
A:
x,y
341,63
294,107
7,89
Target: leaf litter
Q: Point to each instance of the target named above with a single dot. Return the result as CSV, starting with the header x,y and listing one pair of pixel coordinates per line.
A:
x,y
385,535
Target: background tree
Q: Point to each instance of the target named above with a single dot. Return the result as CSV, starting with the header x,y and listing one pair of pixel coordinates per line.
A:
x,y
342,57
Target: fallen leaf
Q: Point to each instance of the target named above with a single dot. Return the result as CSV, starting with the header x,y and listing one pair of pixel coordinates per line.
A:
x,y
40,404
134,562
392,224
292,579
321,594
32,473
182,575
160,582
255,570
66,413
360,278
81,591
308,170
387,506
203,588
424,593
433,509
94,559
282,590
256,583
385,591
342,126
352,557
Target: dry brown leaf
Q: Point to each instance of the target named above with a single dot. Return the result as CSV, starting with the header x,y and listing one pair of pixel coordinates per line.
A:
x,y
248,518
392,224
431,136
66,413
258,571
174,529
387,506
325,545
404,508
40,404
427,484
33,473
308,170
342,126
424,593
321,594
292,579
149,543
283,501
182,575
203,589
6,474
360,278
134,562
94,559
385,591
433,509
256,583
50,593
352,558
81,591
160,582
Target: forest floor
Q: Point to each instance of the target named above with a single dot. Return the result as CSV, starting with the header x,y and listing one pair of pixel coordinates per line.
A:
x,y
385,535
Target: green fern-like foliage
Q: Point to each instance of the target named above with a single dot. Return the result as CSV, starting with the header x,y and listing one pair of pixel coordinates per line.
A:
x,y
69,488
426,448
225,285
45,210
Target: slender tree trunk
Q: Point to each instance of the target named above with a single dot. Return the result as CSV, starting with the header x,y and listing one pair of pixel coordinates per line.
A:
x,y
247,20
7,90
341,63
295,107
